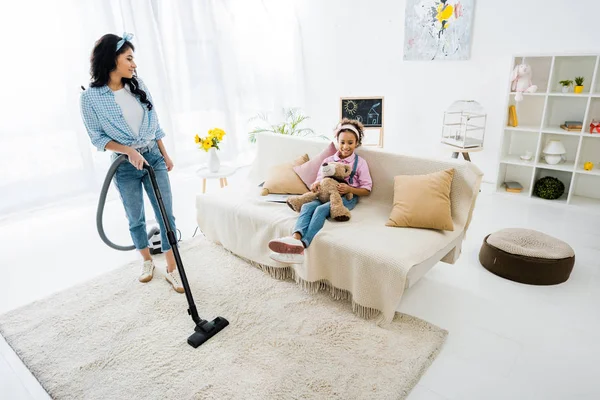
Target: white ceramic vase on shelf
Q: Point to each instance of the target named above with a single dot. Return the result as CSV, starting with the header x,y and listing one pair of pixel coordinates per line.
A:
x,y
213,160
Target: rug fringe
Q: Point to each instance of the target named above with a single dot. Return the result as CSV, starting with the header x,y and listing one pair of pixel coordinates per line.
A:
x,y
288,273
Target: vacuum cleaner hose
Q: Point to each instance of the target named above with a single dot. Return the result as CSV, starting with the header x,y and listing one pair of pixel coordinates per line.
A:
x,y
112,170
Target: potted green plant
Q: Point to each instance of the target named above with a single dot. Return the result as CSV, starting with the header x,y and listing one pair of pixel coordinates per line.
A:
x,y
290,126
565,85
549,188
579,84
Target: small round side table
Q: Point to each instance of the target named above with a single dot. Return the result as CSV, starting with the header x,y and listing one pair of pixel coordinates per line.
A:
x,y
222,174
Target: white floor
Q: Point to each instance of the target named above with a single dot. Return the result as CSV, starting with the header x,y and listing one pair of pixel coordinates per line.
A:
x,y
506,341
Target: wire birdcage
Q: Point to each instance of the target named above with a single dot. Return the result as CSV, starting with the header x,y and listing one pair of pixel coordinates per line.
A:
x,y
464,124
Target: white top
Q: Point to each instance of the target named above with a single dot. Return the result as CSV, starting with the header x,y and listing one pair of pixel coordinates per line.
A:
x,y
131,108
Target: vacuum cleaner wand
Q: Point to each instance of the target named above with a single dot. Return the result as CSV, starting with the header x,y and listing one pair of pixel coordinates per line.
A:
x,y
204,329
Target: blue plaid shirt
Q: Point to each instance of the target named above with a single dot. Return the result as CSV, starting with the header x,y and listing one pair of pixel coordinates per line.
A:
x,y
104,120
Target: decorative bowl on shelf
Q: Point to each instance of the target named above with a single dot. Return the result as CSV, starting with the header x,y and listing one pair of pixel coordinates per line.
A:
x,y
527,156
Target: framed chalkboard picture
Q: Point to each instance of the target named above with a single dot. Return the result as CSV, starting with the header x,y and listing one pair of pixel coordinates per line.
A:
x,y
369,111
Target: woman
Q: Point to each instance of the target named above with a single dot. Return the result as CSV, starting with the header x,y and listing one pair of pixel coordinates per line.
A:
x,y
118,114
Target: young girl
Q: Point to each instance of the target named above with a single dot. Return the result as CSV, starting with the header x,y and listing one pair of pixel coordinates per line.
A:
x,y
118,114
349,134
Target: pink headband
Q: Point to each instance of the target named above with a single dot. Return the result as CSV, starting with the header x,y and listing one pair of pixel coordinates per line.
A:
x,y
344,127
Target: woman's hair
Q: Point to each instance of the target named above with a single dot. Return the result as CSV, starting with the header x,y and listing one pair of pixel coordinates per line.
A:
x,y
356,124
104,60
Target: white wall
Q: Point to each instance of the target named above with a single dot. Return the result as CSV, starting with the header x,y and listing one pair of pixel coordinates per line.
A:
x,y
355,48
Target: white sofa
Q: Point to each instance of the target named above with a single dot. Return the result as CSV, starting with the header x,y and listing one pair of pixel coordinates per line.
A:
x,y
362,260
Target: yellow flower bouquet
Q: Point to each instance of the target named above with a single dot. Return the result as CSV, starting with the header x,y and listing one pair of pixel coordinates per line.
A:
x,y
215,136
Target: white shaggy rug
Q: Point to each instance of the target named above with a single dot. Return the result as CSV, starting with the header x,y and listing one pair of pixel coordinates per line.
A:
x,y
116,338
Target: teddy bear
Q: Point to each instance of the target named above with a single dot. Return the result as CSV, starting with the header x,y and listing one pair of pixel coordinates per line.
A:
x,y
521,81
333,173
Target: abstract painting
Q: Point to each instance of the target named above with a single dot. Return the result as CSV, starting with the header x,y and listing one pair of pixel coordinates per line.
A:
x,y
438,29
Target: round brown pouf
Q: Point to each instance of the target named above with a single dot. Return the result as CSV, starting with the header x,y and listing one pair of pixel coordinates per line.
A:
x,y
527,256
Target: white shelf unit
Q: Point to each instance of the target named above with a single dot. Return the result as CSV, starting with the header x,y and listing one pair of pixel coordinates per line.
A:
x,y
540,115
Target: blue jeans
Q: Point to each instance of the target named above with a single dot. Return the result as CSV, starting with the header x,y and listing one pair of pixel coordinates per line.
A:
x,y
313,215
129,182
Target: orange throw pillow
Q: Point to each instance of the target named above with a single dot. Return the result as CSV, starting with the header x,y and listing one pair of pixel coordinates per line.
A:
x,y
283,180
423,201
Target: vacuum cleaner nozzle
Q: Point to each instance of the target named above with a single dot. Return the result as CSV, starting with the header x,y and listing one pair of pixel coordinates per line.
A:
x,y
205,330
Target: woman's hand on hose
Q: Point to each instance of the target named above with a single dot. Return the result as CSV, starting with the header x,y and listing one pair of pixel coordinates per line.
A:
x,y
136,159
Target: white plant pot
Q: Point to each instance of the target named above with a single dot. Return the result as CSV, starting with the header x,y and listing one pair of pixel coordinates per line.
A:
x,y
565,89
213,160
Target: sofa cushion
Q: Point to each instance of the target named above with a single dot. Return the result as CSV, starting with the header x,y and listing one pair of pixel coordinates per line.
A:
x,y
423,201
282,179
308,171
366,236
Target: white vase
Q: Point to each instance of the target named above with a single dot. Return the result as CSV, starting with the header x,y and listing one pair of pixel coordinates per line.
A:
x,y
565,89
213,160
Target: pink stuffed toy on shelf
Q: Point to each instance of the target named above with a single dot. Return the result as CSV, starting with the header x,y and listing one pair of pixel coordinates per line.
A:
x,y
521,81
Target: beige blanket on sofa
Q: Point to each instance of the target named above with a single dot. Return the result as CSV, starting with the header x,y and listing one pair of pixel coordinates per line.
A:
x,y
370,269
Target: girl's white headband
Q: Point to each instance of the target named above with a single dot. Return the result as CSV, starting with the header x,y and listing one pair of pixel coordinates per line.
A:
x,y
344,127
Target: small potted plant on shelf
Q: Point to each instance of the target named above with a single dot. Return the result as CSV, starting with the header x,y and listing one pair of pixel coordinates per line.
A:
x,y
566,84
549,188
579,84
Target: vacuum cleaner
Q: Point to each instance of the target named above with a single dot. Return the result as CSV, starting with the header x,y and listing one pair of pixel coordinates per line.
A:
x,y
204,329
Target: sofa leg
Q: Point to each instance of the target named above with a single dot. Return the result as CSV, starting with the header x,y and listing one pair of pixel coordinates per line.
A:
x,y
452,255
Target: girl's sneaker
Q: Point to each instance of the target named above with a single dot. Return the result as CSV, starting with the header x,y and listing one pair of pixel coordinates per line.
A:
x,y
174,280
147,271
287,245
288,258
